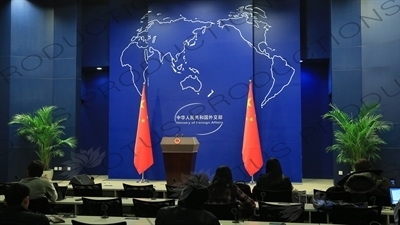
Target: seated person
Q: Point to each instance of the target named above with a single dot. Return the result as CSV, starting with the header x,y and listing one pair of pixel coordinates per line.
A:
x,y
274,179
366,180
223,190
189,209
16,201
39,187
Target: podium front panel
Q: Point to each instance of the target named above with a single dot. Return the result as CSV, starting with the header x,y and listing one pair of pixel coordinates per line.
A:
x,y
178,164
179,157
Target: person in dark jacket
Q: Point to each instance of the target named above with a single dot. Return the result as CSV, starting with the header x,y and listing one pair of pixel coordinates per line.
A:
x,y
189,209
366,180
16,211
274,179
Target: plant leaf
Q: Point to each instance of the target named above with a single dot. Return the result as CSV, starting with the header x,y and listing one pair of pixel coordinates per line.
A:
x,y
357,137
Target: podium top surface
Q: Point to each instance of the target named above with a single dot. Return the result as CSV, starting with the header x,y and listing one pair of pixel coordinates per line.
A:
x,y
179,144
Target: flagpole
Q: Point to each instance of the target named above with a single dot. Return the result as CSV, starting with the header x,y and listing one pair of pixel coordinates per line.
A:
x,y
143,151
251,149
143,180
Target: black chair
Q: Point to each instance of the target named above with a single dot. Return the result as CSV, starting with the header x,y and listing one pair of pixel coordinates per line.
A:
x,y
272,195
319,194
149,208
96,207
3,187
61,192
74,222
173,191
281,212
245,188
40,205
89,190
355,215
371,199
138,191
383,200
227,211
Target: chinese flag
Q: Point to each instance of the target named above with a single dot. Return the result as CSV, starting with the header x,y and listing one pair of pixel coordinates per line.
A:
x,y
251,151
143,151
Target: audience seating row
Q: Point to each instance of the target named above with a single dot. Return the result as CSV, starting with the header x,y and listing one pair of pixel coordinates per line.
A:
x,y
268,211
95,190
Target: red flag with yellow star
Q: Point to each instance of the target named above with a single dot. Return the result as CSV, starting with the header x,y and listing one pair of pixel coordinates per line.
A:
x,y
143,152
251,151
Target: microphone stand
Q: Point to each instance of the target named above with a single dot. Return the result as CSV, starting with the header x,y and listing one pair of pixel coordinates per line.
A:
x,y
234,211
104,207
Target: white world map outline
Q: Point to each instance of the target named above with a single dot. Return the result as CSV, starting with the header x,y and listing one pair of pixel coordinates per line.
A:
x,y
247,13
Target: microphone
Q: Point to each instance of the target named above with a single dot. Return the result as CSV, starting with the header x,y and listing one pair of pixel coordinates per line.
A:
x,y
174,180
262,196
373,199
234,211
104,207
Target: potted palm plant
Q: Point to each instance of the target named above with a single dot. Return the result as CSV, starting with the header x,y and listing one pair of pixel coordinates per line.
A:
x,y
357,137
45,131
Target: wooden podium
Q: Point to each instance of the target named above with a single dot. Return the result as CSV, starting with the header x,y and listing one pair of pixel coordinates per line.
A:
x,y
179,157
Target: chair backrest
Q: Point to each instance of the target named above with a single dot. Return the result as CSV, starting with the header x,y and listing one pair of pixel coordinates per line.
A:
x,y
281,212
272,195
245,188
61,191
383,200
319,194
224,211
96,207
3,187
371,199
355,215
39,205
150,208
138,191
89,190
173,191
75,222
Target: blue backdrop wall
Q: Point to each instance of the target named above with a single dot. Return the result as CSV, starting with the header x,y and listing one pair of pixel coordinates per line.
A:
x,y
357,36
317,132
365,68
196,59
